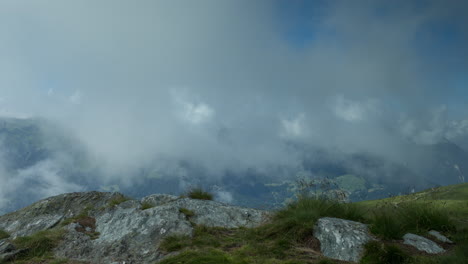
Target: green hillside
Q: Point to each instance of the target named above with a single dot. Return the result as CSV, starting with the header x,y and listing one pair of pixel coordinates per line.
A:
x,y
453,198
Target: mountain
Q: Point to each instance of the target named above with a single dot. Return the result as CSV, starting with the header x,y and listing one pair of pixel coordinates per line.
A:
x,y
98,227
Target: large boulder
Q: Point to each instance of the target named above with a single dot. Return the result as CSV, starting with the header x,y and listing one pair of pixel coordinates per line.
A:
x,y
341,239
422,244
116,230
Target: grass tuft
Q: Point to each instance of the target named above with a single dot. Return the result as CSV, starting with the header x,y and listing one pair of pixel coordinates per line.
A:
x,y
4,234
188,213
200,194
118,200
146,205
39,244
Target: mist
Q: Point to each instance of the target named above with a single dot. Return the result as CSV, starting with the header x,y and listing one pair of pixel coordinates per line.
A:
x,y
229,85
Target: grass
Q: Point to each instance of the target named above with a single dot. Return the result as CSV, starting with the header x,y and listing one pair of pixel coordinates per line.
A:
x,y
175,243
3,234
453,197
380,253
188,213
393,222
82,215
296,221
211,256
288,237
39,245
146,205
117,201
199,193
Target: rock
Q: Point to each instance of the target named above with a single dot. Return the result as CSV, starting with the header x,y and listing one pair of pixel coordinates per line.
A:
x,y
422,244
47,213
214,214
6,246
440,237
341,239
159,199
132,235
123,233
8,251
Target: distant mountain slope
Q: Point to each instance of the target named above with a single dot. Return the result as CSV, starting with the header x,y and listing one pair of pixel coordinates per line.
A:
x,y
452,197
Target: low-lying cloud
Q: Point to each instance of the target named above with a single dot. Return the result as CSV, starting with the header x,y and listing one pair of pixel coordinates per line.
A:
x,y
220,84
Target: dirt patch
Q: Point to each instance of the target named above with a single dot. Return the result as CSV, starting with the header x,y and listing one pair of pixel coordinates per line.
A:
x,y
313,243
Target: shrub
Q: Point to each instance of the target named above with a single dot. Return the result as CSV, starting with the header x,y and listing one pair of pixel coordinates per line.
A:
x,y
200,194
4,234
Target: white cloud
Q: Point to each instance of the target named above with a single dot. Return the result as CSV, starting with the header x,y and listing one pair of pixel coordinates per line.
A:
x,y
223,196
196,113
434,128
76,98
293,127
352,111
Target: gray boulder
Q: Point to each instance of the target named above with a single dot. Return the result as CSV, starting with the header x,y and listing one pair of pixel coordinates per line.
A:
x,y
341,239
422,244
440,237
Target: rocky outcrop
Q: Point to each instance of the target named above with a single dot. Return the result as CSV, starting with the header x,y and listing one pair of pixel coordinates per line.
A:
x,y
7,250
49,212
107,228
422,244
341,239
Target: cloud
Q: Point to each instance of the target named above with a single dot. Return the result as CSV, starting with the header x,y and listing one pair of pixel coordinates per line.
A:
x,y
194,113
76,97
41,180
293,127
352,111
367,79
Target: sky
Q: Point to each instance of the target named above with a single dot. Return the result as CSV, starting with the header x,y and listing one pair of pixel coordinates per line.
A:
x,y
226,84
